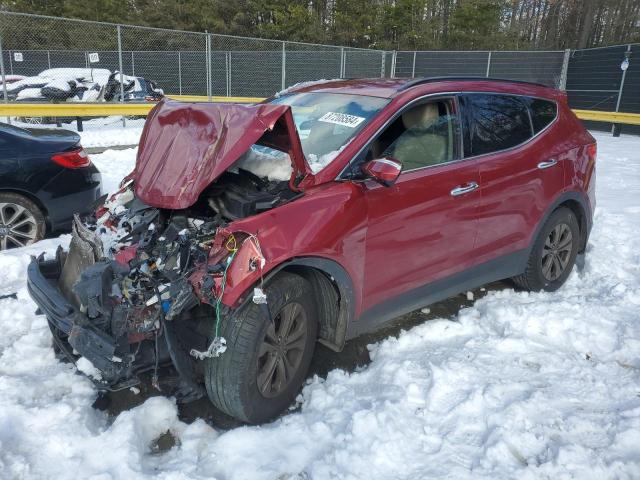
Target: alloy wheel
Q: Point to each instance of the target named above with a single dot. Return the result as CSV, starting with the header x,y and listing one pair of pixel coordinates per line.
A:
x,y
282,350
556,252
18,226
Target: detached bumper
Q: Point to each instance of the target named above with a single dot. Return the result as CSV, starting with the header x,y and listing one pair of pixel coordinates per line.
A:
x,y
73,331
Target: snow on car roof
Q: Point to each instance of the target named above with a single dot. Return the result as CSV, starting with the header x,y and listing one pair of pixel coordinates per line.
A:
x,y
99,75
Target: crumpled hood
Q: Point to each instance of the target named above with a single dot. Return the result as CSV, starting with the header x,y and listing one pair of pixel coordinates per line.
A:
x,y
186,146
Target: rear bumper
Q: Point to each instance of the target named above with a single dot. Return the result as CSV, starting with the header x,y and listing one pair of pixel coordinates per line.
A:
x,y
73,331
71,191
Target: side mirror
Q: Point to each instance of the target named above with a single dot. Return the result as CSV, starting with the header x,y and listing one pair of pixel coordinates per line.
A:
x,y
385,171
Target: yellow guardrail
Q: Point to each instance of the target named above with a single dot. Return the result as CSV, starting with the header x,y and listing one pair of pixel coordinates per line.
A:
x,y
106,109
103,109
612,117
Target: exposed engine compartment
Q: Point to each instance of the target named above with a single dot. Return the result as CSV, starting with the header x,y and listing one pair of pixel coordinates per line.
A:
x,y
133,269
150,253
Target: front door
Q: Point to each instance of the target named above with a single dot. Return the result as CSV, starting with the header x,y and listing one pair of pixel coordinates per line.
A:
x,y
422,228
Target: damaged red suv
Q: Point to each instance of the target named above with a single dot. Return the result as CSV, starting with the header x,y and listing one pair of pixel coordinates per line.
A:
x,y
247,233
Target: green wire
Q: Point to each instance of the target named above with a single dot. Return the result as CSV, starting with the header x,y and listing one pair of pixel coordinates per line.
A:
x,y
219,301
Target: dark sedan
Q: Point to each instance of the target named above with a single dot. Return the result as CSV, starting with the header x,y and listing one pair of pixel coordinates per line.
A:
x,y
45,177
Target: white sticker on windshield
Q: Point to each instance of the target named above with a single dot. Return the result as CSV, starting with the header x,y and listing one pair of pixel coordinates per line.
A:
x,y
341,119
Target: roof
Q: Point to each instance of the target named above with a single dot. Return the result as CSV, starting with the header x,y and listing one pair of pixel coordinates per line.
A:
x,y
390,87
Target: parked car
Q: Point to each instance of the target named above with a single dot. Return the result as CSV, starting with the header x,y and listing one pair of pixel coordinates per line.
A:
x,y
236,244
80,85
45,176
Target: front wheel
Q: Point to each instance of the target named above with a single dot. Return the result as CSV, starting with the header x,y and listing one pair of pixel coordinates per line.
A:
x,y
553,254
266,361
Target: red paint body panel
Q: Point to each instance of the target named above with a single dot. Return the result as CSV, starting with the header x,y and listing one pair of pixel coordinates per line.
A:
x,y
329,221
390,240
186,146
417,232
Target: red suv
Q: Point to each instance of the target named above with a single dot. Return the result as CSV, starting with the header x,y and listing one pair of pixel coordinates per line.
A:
x,y
246,233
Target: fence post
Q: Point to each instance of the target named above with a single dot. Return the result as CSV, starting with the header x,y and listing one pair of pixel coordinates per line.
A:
x,y
413,67
124,121
228,68
133,64
208,64
48,59
179,73
565,69
341,62
382,55
284,67
615,130
488,64
4,84
393,64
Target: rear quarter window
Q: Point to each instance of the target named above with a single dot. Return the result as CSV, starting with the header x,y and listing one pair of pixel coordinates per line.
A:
x,y
494,122
543,112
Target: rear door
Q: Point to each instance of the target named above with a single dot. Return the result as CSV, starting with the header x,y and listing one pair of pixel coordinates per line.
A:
x,y
520,170
423,227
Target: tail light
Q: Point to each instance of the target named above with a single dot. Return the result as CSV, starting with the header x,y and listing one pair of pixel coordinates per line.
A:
x,y
77,158
592,151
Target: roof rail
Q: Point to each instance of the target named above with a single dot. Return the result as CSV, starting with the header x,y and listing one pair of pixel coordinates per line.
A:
x,y
420,81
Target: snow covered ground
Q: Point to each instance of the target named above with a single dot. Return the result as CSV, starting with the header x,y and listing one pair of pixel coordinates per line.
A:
x,y
517,386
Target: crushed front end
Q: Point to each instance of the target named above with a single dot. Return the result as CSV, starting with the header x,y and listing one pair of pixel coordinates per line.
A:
x,y
141,287
144,278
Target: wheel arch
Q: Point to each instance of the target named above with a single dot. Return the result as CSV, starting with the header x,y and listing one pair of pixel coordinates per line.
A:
x,y
334,295
34,199
579,205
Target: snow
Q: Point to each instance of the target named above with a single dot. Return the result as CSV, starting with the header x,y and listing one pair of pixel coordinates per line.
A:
x,y
98,75
305,84
266,162
114,165
29,93
518,385
317,163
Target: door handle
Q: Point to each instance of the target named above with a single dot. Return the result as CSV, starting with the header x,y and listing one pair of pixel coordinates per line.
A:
x,y
462,189
547,164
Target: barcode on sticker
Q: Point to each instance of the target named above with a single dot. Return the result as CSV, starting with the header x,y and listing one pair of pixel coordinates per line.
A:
x,y
341,119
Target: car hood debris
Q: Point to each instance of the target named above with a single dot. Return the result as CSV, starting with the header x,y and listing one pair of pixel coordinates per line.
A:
x,y
186,146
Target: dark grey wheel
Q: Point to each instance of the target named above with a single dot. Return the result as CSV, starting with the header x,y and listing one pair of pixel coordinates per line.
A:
x,y
553,253
556,252
266,361
282,350
21,221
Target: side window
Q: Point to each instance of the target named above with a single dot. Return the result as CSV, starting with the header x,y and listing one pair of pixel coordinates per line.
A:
x,y
494,122
543,112
423,135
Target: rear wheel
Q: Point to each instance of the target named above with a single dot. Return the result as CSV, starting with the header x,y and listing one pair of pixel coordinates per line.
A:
x,y
21,221
266,362
553,254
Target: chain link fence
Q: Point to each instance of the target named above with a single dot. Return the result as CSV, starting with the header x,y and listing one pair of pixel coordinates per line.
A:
x,y
536,66
179,62
197,63
605,79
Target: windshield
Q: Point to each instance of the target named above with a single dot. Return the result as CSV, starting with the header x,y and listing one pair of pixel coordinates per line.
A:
x,y
327,122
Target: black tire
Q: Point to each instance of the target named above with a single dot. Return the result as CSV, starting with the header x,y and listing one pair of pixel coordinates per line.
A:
x,y
550,262
232,378
19,227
